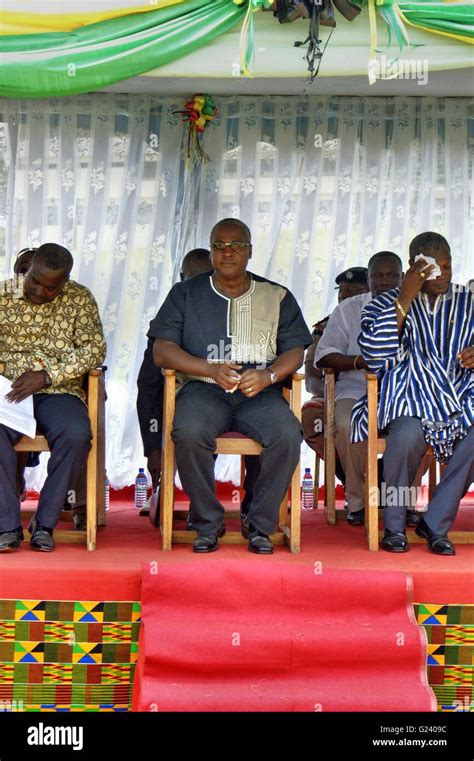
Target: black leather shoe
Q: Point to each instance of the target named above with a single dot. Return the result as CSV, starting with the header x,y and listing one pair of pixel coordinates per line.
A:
x,y
79,518
207,543
260,543
395,541
41,537
412,518
244,525
11,540
437,543
356,518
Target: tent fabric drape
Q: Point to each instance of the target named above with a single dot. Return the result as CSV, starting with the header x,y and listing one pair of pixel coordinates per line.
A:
x,y
98,55
118,43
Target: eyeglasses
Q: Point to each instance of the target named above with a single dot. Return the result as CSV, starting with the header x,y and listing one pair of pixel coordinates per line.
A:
x,y
239,245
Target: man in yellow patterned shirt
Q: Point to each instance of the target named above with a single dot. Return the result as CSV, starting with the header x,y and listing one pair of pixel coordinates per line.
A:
x,y
50,337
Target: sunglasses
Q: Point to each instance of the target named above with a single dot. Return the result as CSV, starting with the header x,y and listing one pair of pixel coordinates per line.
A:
x,y
239,245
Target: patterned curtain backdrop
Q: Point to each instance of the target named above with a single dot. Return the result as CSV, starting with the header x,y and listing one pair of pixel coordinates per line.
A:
x,y
322,182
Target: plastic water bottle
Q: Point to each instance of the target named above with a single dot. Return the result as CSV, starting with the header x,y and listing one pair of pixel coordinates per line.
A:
x,y
141,489
307,490
107,493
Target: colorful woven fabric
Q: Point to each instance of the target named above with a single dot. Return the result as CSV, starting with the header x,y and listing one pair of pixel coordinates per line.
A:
x,y
42,666
67,656
450,659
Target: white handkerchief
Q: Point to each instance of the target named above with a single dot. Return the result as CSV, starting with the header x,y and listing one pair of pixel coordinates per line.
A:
x,y
429,260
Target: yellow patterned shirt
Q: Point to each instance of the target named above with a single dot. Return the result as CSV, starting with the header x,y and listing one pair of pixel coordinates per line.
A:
x,y
63,337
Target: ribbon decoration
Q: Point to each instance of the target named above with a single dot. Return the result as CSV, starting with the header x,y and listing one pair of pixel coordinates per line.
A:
x,y
198,113
447,17
247,46
390,12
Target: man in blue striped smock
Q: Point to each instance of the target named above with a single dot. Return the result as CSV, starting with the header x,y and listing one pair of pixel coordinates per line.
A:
x,y
419,340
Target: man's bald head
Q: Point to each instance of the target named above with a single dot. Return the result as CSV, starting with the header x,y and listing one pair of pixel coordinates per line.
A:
x,y
230,222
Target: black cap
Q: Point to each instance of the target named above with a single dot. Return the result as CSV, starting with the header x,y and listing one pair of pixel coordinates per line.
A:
x,y
353,275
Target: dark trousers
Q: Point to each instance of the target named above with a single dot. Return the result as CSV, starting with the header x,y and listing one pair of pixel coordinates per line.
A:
x,y
63,419
405,446
203,412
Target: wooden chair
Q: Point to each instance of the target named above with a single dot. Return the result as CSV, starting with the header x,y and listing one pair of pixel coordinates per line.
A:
x,y
95,508
376,447
288,533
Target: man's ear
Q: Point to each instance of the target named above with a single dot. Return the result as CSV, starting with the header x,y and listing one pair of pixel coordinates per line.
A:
x,y
181,276
250,251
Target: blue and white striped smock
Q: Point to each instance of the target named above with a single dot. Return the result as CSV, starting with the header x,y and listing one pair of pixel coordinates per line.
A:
x,y
420,372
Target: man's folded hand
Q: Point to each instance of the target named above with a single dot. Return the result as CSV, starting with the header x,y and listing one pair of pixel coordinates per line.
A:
x,y
28,383
225,375
254,381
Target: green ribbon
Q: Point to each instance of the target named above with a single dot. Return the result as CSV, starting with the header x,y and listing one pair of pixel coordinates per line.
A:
x,y
98,55
453,19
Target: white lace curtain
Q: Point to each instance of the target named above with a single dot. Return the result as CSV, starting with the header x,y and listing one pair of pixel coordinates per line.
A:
x,y
323,183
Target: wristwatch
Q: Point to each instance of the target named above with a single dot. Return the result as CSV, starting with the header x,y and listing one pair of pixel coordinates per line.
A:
x,y
273,376
47,380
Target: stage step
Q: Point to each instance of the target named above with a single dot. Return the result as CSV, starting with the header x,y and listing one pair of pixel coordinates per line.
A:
x,y
256,635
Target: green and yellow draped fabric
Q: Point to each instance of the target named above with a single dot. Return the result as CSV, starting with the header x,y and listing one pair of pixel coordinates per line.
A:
x,y
34,17
47,50
95,55
447,17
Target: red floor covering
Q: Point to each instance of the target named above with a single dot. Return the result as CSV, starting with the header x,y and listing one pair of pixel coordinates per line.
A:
x,y
232,635
112,572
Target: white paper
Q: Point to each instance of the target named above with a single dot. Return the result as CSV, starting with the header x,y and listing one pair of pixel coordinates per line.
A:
x,y
430,260
16,415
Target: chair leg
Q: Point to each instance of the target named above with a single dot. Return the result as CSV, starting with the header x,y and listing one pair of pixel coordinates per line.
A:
x,y
91,497
329,451
295,511
92,466
432,478
330,486
283,514
371,497
167,497
317,464
101,514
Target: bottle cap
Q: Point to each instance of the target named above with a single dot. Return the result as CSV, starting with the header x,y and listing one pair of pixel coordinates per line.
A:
x,y
307,470
141,470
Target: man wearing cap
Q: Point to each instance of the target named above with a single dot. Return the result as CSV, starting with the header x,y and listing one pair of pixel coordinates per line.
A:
x,y
339,349
351,282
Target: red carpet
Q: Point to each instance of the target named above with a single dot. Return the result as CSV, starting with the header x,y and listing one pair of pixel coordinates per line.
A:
x,y
239,636
112,572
